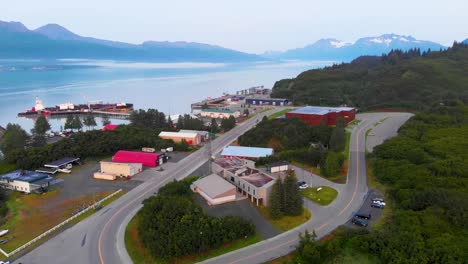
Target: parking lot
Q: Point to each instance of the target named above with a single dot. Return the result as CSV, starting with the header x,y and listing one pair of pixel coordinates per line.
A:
x,y
376,213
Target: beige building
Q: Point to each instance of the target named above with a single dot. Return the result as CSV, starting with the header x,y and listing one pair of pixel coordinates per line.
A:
x,y
191,138
214,189
218,113
249,181
120,169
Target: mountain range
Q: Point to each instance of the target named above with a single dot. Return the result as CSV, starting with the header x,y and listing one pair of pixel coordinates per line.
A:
x,y
333,49
53,41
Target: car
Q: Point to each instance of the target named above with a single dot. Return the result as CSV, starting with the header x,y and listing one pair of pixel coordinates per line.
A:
x,y
382,203
304,186
377,205
299,183
378,199
359,221
364,215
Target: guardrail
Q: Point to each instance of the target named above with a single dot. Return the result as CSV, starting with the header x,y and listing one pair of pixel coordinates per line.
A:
x,y
59,225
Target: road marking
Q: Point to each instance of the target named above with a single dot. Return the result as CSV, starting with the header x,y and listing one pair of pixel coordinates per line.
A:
x,y
151,188
327,222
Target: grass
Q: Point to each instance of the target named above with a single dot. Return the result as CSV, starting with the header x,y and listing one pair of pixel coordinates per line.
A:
x,y
353,123
30,215
285,223
323,197
278,114
349,256
139,254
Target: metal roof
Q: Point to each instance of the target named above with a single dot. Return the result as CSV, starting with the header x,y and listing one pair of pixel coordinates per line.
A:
x,y
200,132
24,176
251,152
61,162
213,185
178,134
218,111
319,110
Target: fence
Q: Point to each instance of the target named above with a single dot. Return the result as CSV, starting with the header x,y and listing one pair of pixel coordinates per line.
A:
x,y
59,225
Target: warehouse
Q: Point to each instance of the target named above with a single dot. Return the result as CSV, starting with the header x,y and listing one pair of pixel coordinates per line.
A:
x,y
145,158
191,138
246,152
121,169
267,101
219,113
25,181
314,115
214,189
204,135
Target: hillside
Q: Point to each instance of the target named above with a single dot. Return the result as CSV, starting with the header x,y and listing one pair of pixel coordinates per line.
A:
x,y
55,42
333,49
410,79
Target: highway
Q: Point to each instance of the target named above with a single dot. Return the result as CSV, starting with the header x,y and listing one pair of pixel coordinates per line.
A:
x,y
99,238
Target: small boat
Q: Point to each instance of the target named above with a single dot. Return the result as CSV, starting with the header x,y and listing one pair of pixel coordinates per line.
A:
x,y
3,232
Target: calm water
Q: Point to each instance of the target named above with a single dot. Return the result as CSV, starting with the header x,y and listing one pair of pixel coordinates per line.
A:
x,y
167,87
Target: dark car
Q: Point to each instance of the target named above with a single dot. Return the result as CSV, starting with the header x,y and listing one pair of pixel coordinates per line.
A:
x,y
363,215
377,205
299,183
359,221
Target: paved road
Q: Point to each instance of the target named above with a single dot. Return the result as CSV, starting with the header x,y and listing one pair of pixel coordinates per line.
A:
x,y
100,238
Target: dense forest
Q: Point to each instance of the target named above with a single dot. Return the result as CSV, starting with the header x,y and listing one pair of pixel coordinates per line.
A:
x,y
409,80
425,174
173,225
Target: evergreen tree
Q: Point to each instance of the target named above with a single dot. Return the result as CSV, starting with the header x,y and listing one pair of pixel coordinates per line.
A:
x,y
214,128
38,140
180,122
41,126
76,123
89,121
246,112
276,200
293,202
105,120
338,136
14,139
69,123
169,122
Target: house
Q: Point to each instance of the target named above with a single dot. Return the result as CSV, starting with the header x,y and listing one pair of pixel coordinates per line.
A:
x,y
145,158
314,115
246,152
25,181
214,189
249,181
219,113
192,138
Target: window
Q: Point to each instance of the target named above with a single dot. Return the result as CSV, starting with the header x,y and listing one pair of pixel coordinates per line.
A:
x,y
248,188
232,179
253,192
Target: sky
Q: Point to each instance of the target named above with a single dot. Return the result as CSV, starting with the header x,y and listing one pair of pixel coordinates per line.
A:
x,y
251,26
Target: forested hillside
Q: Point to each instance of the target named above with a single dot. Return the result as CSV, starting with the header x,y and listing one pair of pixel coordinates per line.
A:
x,y
425,174
411,80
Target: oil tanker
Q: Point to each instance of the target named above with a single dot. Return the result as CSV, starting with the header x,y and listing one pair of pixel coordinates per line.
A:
x,y
69,108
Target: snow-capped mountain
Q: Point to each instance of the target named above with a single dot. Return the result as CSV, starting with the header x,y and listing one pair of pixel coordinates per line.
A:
x,y
332,49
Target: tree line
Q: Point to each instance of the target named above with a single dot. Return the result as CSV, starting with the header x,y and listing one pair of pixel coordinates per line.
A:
x,y
171,224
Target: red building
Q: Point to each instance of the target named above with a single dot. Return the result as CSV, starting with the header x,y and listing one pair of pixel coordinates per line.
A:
x,y
110,127
145,158
314,115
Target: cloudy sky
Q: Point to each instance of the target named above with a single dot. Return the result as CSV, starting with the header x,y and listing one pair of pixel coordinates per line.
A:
x,y
246,25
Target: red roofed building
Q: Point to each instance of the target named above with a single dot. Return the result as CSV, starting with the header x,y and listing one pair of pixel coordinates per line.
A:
x,y
110,127
145,158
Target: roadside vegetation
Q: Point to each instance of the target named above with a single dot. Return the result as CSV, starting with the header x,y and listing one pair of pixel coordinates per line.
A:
x,y
278,114
405,80
171,227
322,195
322,148
424,172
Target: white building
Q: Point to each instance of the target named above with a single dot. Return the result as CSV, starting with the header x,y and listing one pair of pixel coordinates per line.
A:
x,y
214,189
219,113
25,181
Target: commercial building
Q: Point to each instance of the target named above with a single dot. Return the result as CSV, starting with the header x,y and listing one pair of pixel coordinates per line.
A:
x,y
219,113
246,152
249,181
145,158
204,135
214,189
192,138
121,169
25,181
267,101
314,115
254,90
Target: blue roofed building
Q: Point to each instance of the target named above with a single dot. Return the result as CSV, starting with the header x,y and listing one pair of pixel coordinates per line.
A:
x,y
246,152
25,181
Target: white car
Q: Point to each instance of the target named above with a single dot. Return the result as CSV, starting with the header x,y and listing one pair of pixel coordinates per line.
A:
x,y
4,262
379,202
304,186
